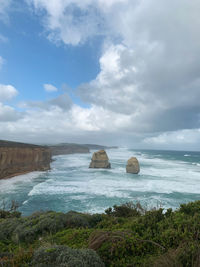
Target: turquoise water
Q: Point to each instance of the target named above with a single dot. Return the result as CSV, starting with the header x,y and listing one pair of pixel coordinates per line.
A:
x,y
167,178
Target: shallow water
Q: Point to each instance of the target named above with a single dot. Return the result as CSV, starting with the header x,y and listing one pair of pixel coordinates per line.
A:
x,y
167,178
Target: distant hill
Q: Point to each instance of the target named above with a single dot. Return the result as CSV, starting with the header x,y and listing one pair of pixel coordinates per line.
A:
x,y
93,146
63,149
68,148
5,143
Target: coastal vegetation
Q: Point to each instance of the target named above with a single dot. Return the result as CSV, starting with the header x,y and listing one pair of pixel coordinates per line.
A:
x,y
125,235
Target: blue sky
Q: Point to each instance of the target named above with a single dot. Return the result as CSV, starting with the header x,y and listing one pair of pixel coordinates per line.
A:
x,y
31,60
120,72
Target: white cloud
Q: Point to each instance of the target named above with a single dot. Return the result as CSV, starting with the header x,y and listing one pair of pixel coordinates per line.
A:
x,y
149,73
50,88
182,139
56,125
8,113
74,21
61,22
4,6
153,73
7,92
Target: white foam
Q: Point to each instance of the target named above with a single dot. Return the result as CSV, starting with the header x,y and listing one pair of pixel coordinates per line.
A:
x,y
92,187
9,185
71,179
194,163
157,175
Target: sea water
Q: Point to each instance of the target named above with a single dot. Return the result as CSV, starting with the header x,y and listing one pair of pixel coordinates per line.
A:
x,y
166,179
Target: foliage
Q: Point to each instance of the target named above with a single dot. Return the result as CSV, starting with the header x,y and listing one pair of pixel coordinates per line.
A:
x,y
28,229
128,209
11,211
75,238
65,256
126,235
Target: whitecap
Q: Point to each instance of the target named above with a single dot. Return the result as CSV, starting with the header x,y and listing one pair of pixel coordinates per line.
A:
x,y
9,185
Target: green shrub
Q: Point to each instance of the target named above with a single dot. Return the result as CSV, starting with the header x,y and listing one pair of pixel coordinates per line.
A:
x,y
128,209
74,238
190,208
65,256
122,248
7,227
7,214
76,220
127,235
30,228
80,220
186,255
38,224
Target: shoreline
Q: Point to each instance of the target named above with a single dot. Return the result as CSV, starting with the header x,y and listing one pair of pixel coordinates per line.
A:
x,y
21,174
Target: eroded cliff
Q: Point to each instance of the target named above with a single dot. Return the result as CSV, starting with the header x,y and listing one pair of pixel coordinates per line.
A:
x,y
19,158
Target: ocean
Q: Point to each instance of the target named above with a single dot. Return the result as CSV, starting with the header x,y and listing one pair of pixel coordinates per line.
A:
x,y
166,179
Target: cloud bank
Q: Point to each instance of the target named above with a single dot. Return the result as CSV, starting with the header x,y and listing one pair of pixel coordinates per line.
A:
x,y
148,88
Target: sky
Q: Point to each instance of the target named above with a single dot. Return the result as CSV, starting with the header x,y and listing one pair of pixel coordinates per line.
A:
x,y
113,72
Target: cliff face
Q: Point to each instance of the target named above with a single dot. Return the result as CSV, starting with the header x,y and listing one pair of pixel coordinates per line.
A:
x,y
17,158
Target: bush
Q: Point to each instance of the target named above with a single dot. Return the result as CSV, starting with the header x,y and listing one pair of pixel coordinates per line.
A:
x,y
65,256
190,208
81,220
127,235
7,227
128,209
28,229
38,224
122,248
186,255
76,220
47,222
7,214
74,238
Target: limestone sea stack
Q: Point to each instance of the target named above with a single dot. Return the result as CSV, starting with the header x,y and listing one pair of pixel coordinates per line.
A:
x,y
133,166
100,160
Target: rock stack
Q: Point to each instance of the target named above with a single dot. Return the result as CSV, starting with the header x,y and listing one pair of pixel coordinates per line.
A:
x,y
100,160
133,166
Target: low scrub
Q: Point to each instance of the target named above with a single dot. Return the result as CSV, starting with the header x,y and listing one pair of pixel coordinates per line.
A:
x,y
124,236
61,256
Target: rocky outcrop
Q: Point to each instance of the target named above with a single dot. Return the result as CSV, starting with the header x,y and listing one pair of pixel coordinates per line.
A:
x,y
64,149
133,166
19,158
100,160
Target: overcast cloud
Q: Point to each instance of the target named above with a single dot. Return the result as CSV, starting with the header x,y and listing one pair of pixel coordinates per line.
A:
x,y
148,89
